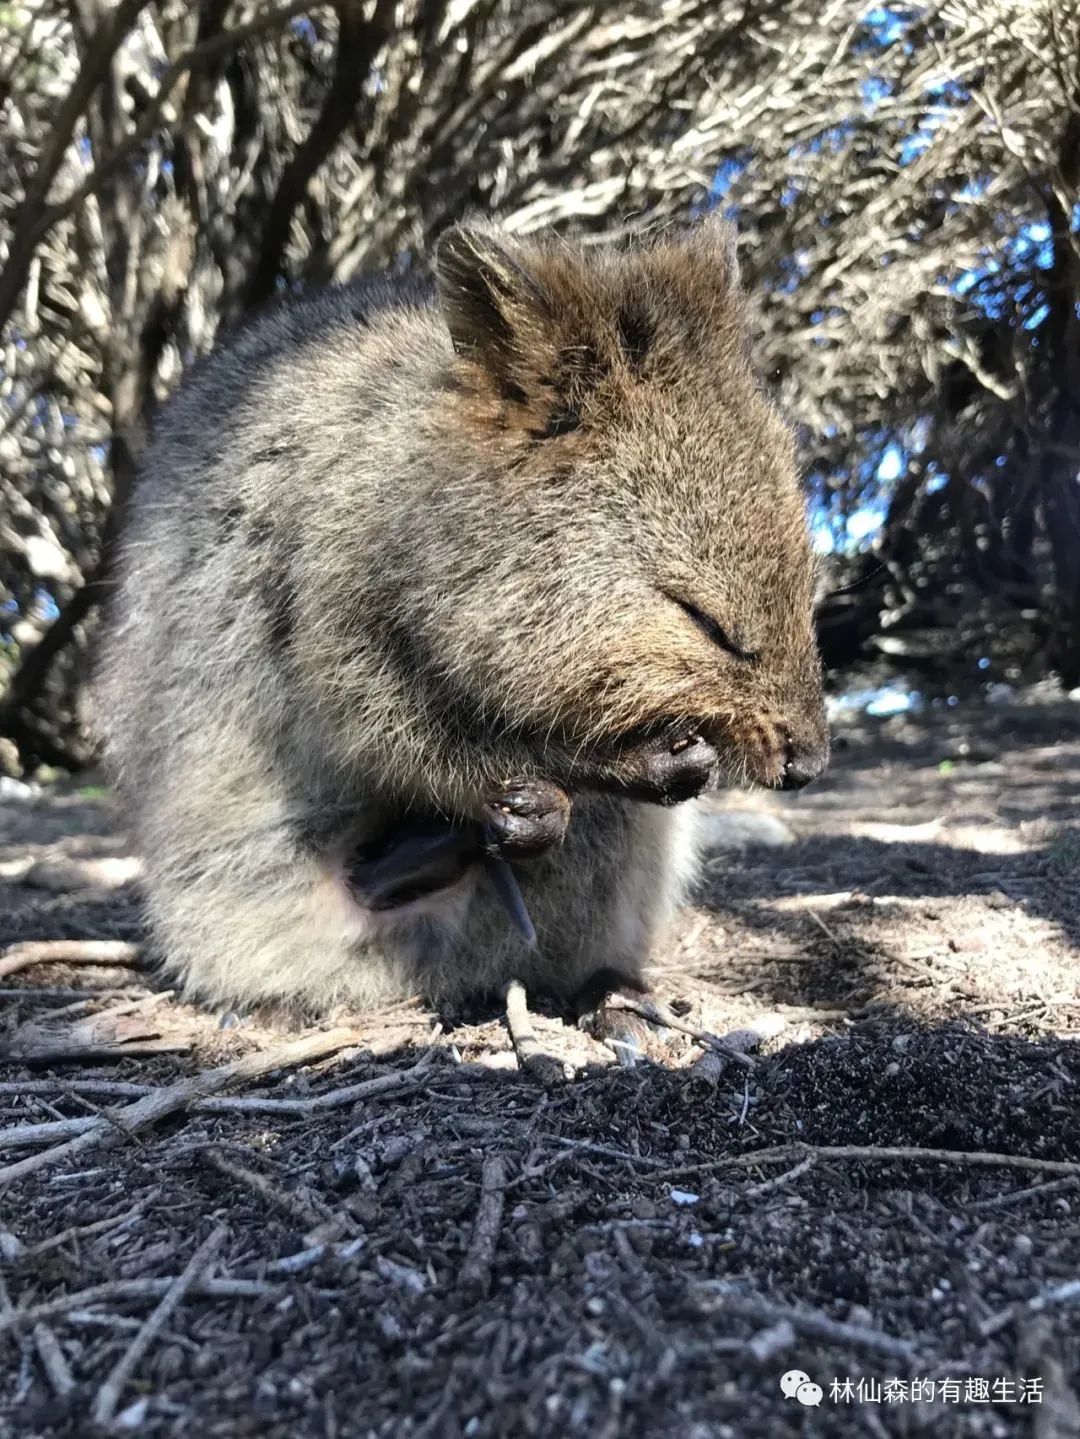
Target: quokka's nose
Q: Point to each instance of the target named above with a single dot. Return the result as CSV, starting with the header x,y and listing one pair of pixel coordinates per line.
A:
x,y
803,766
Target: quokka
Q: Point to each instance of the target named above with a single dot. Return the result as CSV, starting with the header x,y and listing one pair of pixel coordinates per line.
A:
x,y
435,605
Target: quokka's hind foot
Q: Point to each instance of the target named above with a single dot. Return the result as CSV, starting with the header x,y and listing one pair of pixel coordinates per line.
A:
x,y
622,1013
629,1019
616,1009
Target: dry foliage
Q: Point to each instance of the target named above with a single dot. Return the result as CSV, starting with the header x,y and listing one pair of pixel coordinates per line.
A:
x,y
168,168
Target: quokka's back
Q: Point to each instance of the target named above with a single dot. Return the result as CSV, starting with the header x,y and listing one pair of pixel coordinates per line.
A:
x,y
433,602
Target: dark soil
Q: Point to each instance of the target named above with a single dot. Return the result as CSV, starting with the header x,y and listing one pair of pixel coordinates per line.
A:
x,y
656,1246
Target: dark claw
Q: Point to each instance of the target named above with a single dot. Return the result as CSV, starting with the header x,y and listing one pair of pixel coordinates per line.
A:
x,y
527,818
504,882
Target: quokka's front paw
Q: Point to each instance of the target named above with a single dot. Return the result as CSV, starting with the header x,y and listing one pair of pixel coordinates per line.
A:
x,y
666,770
526,818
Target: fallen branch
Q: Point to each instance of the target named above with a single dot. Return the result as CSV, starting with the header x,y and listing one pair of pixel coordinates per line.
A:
x,y
180,1096
404,1081
716,1297
25,1136
122,1029
70,951
101,1088
121,1290
784,1153
99,1053
108,1395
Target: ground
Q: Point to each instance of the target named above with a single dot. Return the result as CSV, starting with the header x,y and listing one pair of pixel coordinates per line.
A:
x,y
391,1230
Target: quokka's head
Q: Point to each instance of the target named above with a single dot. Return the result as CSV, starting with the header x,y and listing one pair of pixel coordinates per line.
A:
x,y
624,557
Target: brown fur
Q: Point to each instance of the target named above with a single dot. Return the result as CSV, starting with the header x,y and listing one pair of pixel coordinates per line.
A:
x,y
389,553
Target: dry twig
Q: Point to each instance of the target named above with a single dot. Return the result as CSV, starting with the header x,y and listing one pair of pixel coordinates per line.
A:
x,y
53,1360
716,1296
1067,1293
542,1066
1033,1191
304,1213
123,1290
755,1191
51,1355
382,1086
400,1082
875,1154
475,1276
661,1014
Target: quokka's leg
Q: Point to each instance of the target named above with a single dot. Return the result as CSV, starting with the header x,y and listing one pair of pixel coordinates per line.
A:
x,y
247,909
602,904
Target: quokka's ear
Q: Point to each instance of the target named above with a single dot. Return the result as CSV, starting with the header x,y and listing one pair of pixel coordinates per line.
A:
x,y
694,277
709,247
719,239
493,305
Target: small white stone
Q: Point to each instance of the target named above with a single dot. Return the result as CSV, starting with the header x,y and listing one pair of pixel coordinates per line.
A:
x,y
732,829
17,790
133,1416
771,1341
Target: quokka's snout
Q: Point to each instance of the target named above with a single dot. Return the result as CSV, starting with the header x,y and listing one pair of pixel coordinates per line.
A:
x,y
805,758
685,759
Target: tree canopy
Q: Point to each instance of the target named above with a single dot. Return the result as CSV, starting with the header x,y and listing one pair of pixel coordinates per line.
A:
x,y
905,179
